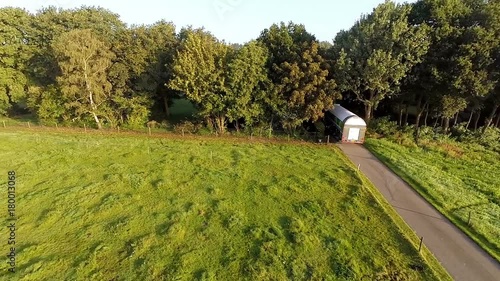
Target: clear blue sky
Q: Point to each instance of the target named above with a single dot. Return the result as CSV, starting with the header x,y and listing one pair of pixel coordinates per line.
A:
x,y
235,21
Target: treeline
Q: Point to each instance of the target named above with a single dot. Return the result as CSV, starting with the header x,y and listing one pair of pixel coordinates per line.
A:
x,y
436,59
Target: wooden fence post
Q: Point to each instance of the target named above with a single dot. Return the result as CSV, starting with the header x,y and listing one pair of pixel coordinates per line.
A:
x,y
328,139
85,128
420,246
29,126
4,124
149,130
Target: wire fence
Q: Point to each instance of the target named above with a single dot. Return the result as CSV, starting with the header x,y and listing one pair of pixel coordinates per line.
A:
x,y
159,131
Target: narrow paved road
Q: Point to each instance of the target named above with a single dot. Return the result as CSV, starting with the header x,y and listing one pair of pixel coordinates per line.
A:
x,y
461,256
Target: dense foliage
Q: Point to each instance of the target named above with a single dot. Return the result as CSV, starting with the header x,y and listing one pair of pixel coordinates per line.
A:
x,y
430,62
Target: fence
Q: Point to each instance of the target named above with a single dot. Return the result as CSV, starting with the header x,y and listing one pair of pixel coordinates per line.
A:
x,y
161,131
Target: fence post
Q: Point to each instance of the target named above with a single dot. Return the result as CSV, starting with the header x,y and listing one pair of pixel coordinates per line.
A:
x,y
85,128
57,127
4,124
149,130
468,221
328,139
420,246
29,126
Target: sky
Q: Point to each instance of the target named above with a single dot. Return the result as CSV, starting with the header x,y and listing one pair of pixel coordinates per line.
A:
x,y
235,21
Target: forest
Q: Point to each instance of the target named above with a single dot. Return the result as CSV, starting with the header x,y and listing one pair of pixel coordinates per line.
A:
x,y
431,62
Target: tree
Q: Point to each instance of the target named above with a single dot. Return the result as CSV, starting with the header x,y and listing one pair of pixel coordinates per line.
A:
x,y
84,61
302,89
199,72
492,25
377,53
451,105
460,59
50,23
15,51
247,84
141,69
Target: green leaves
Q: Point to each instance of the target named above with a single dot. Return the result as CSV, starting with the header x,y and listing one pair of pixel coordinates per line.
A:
x,y
377,53
199,72
84,61
302,86
247,84
15,51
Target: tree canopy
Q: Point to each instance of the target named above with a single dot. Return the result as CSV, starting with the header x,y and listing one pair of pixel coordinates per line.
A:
x,y
436,59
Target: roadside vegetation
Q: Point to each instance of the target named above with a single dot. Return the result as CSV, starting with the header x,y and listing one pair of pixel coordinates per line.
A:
x,y
458,173
113,207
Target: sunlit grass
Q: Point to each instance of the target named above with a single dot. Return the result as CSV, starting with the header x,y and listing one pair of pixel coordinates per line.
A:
x,y
460,180
96,207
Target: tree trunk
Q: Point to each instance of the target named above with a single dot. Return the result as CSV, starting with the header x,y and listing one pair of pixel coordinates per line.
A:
x,y
456,119
400,123
167,109
97,121
489,120
426,115
368,112
436,122
446,124
221,123
400,108
476,122
91,97
417,120
420,111
497,123
406,116
237,125
470,119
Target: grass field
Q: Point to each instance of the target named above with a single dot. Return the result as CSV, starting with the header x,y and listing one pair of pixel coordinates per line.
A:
x,y
458,179
94,207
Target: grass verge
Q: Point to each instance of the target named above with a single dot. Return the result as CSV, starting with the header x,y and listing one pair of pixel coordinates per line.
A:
x,y
458,180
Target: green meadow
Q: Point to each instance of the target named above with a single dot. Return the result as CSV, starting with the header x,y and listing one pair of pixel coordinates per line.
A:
x,y
460,180
117,207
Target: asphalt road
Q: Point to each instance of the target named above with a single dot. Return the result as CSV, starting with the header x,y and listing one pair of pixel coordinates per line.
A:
x,y
459,255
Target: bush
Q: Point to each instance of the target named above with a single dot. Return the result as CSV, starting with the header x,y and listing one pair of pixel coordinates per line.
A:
x,y
187,127
260,130
383,126
462,134
489,138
